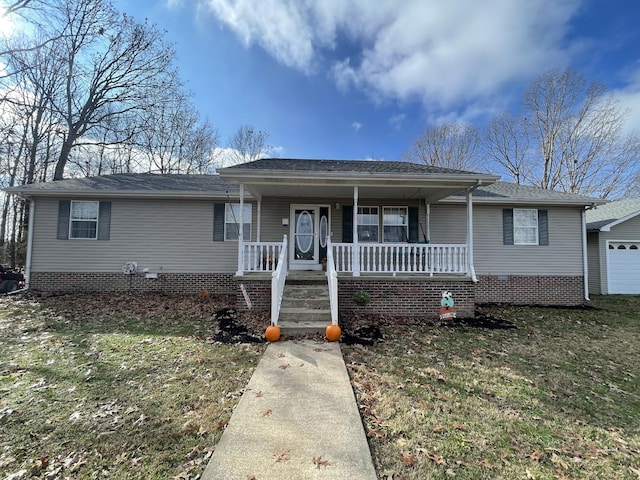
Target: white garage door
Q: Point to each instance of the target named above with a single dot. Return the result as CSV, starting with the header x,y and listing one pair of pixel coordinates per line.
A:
x,y
624,267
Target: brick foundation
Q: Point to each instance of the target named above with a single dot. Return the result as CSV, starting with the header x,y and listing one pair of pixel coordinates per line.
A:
x,y
392,296
258,291
183,283
530,290
406,297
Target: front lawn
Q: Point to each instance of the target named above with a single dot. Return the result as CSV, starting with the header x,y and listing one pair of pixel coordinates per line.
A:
x,y
556,397
114,386
104,386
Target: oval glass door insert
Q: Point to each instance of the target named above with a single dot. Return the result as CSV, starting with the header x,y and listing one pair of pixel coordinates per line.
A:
x,y
304,232
324,231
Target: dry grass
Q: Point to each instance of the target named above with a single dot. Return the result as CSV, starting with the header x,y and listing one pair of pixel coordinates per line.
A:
x,y
104,386
558,397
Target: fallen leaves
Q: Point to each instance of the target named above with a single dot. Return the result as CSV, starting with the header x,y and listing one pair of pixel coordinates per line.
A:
x,y
281,456
320,462
407,459
266,413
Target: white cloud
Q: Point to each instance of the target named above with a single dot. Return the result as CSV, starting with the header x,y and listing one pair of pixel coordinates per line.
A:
x,y
629,99
356,126
443,53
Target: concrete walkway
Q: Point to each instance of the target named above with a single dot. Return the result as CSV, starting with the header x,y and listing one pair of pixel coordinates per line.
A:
x,y
296,420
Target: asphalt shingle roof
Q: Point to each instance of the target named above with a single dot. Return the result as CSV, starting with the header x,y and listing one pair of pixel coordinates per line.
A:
x,y
346,166
513,191
135,183
606,214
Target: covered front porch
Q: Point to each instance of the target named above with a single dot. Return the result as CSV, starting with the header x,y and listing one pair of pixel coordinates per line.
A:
x,y
354,219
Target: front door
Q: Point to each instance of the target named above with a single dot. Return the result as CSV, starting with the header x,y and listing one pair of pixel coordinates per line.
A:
x,y
305,245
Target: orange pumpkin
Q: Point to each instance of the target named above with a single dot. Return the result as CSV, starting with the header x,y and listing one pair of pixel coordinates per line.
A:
x,y
333,333
272,333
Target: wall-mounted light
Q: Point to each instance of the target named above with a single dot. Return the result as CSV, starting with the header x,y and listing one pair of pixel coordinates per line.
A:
x,y
337,206
285,222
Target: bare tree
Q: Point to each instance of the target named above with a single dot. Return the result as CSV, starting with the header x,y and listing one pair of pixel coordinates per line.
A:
x,y
113,66
506,142
174,138
450,145
577,128
246,145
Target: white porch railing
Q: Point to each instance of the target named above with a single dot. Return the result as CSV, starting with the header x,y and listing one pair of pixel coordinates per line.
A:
x,y
403,258
278,278
261,256
332,279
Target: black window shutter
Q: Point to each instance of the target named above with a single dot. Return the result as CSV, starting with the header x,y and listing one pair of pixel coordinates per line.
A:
x,y
64,212
414,225
218,222
543,227
104,220
507,226
347,223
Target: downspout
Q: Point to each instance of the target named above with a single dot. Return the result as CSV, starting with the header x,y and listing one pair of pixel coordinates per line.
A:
x,y
585,262
472,270
27,267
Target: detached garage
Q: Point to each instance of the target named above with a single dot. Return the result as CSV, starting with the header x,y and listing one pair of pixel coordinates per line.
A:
x,y
613,244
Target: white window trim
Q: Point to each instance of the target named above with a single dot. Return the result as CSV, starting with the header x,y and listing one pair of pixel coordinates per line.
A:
x,y
250,221
537,226
370,224
71,219
406,225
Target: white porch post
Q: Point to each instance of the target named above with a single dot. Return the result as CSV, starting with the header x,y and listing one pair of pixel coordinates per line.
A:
x,y
259,221
471,268
427,213
240,271
356,245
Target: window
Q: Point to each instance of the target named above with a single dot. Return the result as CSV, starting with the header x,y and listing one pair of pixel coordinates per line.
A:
x,y
395,224
368,224
232,219
83,220
525,226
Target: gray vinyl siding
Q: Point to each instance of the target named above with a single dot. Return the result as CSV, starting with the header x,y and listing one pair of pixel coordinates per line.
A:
x,y
274,209
626,231
174,236
563,255
448,223
593,247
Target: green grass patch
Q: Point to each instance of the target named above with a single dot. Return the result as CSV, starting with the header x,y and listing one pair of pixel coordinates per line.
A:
x,y
98,386
558,397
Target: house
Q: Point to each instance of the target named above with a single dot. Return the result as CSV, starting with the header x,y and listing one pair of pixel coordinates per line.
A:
x,y
613,244
401,232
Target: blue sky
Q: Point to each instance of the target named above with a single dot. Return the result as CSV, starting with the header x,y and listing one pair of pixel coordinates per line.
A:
x,y
358,79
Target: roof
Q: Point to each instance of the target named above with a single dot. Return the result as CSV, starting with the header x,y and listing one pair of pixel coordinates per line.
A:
x,y
606,216
505,192
342,166
403,179
134,185
374,179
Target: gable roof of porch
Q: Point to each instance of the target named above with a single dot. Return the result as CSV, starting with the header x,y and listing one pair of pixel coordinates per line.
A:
x,y
337,178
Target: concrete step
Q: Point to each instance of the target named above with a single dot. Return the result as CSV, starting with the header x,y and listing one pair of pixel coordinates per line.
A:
x,y
304,315
305,305
310,303
304,327
304,291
